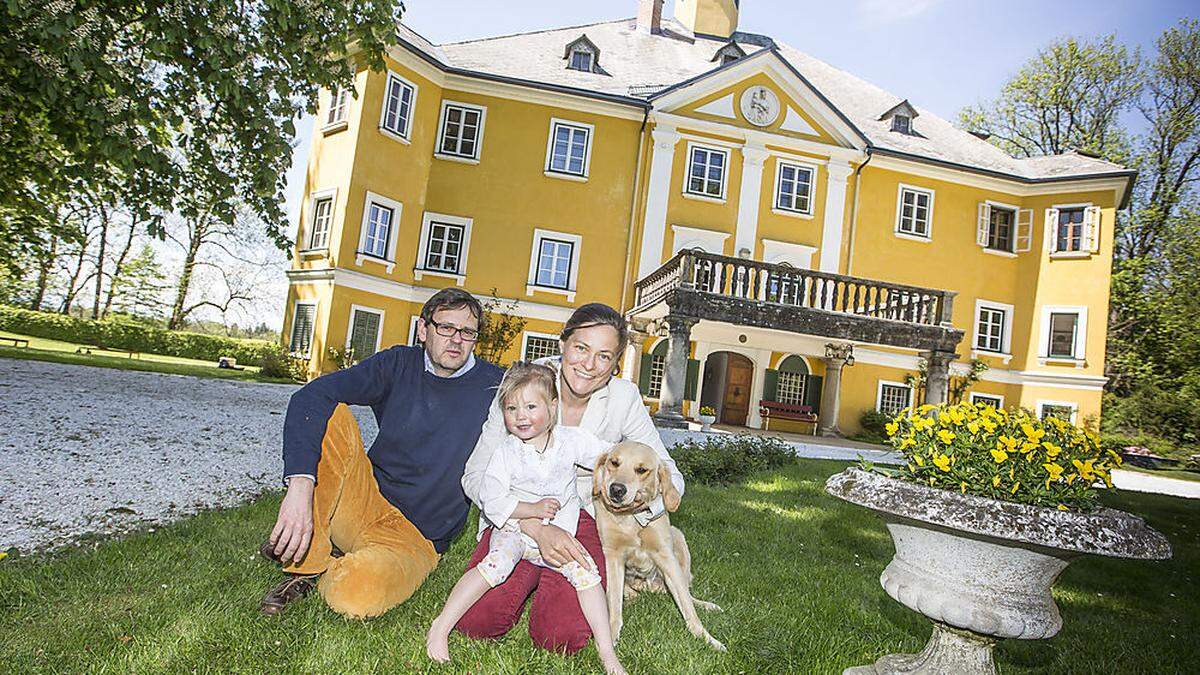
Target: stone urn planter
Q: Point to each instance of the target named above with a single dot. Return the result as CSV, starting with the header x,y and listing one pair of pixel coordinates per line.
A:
x,y
981,569
706,421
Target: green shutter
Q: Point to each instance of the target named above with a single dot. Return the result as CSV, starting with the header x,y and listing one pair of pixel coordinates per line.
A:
x,y
644,374
812,393
693,376
770,384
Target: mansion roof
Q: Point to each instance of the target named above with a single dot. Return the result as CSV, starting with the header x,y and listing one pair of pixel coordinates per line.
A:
x,y
635,66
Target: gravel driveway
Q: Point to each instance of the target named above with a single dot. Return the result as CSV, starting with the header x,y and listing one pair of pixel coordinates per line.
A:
x,y
96,451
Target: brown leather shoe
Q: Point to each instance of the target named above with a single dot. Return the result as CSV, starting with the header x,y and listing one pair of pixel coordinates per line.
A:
x,y
294,587
267,550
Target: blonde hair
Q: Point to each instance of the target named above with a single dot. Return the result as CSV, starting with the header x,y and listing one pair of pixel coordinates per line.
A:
x,y
522,374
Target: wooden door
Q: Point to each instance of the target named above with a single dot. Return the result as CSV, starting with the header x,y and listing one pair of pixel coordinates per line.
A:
x,y
739,376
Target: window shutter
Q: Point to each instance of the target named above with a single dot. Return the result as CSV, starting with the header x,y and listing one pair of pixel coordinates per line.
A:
x,y
1051,235
689,383
770,384
812,393
985,216
1024,230
644,374
1091,229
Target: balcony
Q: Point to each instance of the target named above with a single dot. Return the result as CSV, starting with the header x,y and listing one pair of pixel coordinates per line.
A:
x,y
705,286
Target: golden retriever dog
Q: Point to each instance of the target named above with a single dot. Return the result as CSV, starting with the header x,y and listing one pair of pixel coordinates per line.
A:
x,y
653,558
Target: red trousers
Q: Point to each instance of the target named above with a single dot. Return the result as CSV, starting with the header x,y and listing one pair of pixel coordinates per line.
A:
x,y
556,622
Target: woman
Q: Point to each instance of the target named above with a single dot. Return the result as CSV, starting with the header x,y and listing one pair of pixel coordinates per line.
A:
x,y
593,341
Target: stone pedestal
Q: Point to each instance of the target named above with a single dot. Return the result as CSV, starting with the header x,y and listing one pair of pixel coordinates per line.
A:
x,y
937,376
831,394
670,401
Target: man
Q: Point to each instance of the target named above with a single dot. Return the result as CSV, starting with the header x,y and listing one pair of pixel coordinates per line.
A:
x,y
395,509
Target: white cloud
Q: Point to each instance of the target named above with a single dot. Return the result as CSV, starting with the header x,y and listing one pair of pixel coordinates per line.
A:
x,y
891,11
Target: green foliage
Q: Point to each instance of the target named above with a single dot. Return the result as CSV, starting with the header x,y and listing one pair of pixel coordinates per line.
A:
x,y
126,333
724,460
1011,456
278,362
501,325
873,422
342,357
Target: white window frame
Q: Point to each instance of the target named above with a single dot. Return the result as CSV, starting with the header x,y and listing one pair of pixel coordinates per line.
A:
x,y
1080,353
879,393
1005,352
907,126
899,230
534,334
354,309
419,270
312,335
656,382
457,157
586,52
1042,403
412,330
996,397
1020,215
310,230
339,102
1089,243
778,208
360,254
711,241
549,171
687,176
402,135
531,284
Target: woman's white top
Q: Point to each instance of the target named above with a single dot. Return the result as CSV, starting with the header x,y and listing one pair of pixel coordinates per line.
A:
x,y
521,472
614,413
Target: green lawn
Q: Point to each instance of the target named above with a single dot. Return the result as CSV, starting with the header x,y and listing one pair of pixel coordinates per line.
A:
x,y
57,351
796,571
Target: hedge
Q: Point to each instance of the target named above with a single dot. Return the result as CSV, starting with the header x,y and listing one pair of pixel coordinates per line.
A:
x,y
126,334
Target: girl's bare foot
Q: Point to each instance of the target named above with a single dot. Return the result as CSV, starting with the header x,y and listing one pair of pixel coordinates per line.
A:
x,y
612,666
437,643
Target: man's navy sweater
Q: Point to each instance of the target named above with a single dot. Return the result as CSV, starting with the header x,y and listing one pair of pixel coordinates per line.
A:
x,y
428,426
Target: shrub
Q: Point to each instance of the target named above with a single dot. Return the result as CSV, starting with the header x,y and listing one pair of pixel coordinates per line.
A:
x,y
873,425
125,333
1012,456
277,362
720,461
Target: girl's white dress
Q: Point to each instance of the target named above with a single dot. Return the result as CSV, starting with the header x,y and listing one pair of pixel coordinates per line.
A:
x,y
520,472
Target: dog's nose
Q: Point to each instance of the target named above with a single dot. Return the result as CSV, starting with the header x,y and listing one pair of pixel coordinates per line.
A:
x,y
617,491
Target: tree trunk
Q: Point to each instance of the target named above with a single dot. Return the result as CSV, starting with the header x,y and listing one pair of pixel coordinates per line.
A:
x,y
100,260
195,239
119,267
44,275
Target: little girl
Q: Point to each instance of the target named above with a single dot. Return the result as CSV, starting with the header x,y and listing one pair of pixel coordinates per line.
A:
x,y
531,475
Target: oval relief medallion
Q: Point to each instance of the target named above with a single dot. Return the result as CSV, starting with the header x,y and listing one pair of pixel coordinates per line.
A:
x,y
760,106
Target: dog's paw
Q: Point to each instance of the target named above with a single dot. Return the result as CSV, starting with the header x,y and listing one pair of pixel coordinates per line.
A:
x,y
707,606
714,643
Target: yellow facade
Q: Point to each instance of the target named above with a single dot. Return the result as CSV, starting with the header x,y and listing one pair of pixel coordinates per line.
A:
x,y
631,210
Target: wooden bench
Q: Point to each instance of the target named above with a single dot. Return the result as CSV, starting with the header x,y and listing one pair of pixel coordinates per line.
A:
x,y
88,349
785,411
16,341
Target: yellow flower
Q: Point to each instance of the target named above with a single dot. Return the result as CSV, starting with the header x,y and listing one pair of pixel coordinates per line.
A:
x,y
906,442
1008,442
1085,470
999,455
996,480
944,417
891,428
941,461
989,425
1107,480
1032,433
1052,450
1054,470
1016,485
911,468
945,436
919,460
973,427
1062,507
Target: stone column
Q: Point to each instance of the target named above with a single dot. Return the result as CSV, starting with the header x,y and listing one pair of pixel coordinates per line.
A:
x,y
670,401
754,154
658,191
937,376
633,355
836,357
835,214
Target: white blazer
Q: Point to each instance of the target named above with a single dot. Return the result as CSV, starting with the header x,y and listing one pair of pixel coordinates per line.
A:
x,y
615,414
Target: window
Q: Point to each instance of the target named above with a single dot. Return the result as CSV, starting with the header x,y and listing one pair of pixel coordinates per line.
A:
x,y
1073,229
554,263
1069,233
915,212
581,59
793,188
1062,334
893,397
993,327
365,331
303,319
792,380
1000,230
338,99
322,220
569,148
377,228
658,365
538,346
1063,410
398,100
1004,229
413,340
706,172
902,124
462,130
996,402
445,242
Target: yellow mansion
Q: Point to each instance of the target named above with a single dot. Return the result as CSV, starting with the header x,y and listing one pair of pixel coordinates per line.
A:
x,y
776,229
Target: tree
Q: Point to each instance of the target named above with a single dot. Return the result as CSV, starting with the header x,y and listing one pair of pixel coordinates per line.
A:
x,y
108,88
1070,96
501,326
138,291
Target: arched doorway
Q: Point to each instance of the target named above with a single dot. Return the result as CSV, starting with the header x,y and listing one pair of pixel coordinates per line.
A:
x,y
728,381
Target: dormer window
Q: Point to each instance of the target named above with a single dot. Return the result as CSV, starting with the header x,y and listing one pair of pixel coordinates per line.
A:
x,y
583,55
901,116
728,53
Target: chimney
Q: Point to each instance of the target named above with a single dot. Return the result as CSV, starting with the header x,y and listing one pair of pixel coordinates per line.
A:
x,y
649,16
715,18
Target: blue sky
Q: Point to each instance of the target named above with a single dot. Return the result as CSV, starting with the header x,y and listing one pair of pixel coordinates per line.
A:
x,y
940,54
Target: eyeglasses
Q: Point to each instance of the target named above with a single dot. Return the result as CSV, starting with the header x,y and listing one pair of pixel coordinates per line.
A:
x,y
446,330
